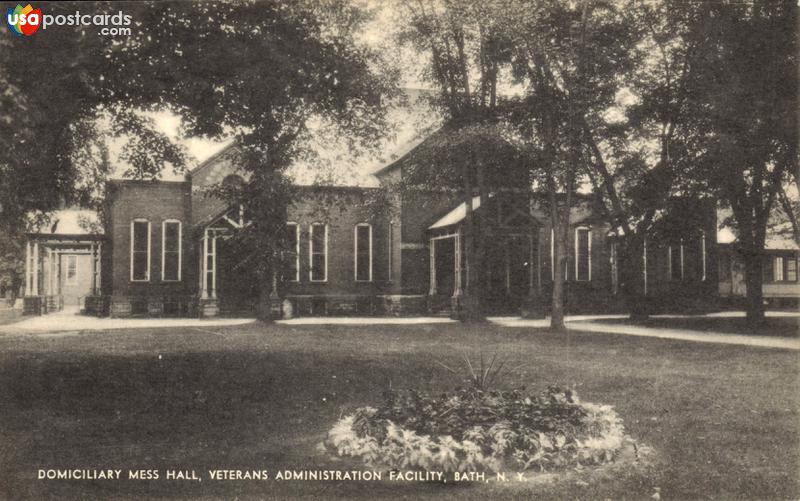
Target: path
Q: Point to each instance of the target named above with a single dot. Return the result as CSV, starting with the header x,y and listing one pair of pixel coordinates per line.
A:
x,y
585,323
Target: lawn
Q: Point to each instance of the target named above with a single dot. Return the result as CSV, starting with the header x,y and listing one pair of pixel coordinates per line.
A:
x,y
723,420
773,326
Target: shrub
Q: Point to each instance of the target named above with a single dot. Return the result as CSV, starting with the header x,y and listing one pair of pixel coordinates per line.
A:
x,y
471,429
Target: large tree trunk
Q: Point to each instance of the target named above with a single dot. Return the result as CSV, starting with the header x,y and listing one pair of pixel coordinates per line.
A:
x,y
754,278
632,272
469,303
560,223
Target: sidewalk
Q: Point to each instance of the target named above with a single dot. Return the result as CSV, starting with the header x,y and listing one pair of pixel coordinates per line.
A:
x,y
73,321
585,323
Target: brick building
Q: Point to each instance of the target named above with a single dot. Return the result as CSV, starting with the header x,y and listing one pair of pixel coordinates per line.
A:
x,y
163,250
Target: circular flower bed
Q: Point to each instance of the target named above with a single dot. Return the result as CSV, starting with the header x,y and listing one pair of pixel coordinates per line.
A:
x,y
472,429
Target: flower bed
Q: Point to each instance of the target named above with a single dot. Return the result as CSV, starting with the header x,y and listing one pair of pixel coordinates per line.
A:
x,y
471,430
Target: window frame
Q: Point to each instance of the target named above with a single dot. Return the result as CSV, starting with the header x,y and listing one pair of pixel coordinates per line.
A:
x,y
778,272
296,278
356,251
588,253
682,275
787,260
312,252
703,256
149,249
390,244
164,224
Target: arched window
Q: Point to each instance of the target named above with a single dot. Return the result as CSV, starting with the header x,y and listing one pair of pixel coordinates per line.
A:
x,y
362,252
171,249
140,250
292,256
318,252
675,262
583,254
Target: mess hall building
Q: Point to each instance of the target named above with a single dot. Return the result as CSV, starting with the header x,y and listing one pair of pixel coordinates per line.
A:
x,y
163,248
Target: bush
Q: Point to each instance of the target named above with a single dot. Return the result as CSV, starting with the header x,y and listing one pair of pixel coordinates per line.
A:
x,y
471,430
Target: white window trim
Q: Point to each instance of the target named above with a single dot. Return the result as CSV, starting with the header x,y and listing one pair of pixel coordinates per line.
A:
x,y
355,251
74,280
296,277
703,253
777,269
311,252
588,251
669,261
149,249
390,245
164,249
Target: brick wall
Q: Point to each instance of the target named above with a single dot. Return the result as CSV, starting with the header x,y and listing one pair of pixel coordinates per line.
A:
x,y
155,201
341,209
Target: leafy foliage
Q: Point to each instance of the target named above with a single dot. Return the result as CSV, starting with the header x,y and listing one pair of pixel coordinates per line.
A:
x,y
471,429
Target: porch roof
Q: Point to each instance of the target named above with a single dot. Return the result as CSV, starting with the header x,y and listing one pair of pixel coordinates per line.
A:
x,y
456,215
70,223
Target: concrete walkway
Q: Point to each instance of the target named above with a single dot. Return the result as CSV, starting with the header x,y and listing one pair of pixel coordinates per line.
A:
x,y
584,323
73,321
366,321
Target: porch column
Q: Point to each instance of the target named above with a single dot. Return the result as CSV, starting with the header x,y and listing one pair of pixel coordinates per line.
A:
x,y
94,270
28,268
99,280
204,268
214,265
35,268
58,271
432,245
458,290
50,273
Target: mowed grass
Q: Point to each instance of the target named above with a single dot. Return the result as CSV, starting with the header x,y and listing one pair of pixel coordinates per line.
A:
x,y
723,420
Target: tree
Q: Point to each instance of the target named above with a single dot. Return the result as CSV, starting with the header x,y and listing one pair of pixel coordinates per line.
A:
x,y
749,87
570,59
257,70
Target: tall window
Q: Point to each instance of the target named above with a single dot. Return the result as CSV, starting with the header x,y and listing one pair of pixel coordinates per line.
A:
x,y
703,255
72,269
293,253
363,252
583,254
777,269
140,250
391,251
675,262
171,248
318,252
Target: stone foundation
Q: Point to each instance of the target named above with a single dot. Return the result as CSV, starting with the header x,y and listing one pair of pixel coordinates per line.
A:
x,y
399,305
32,305
207,308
